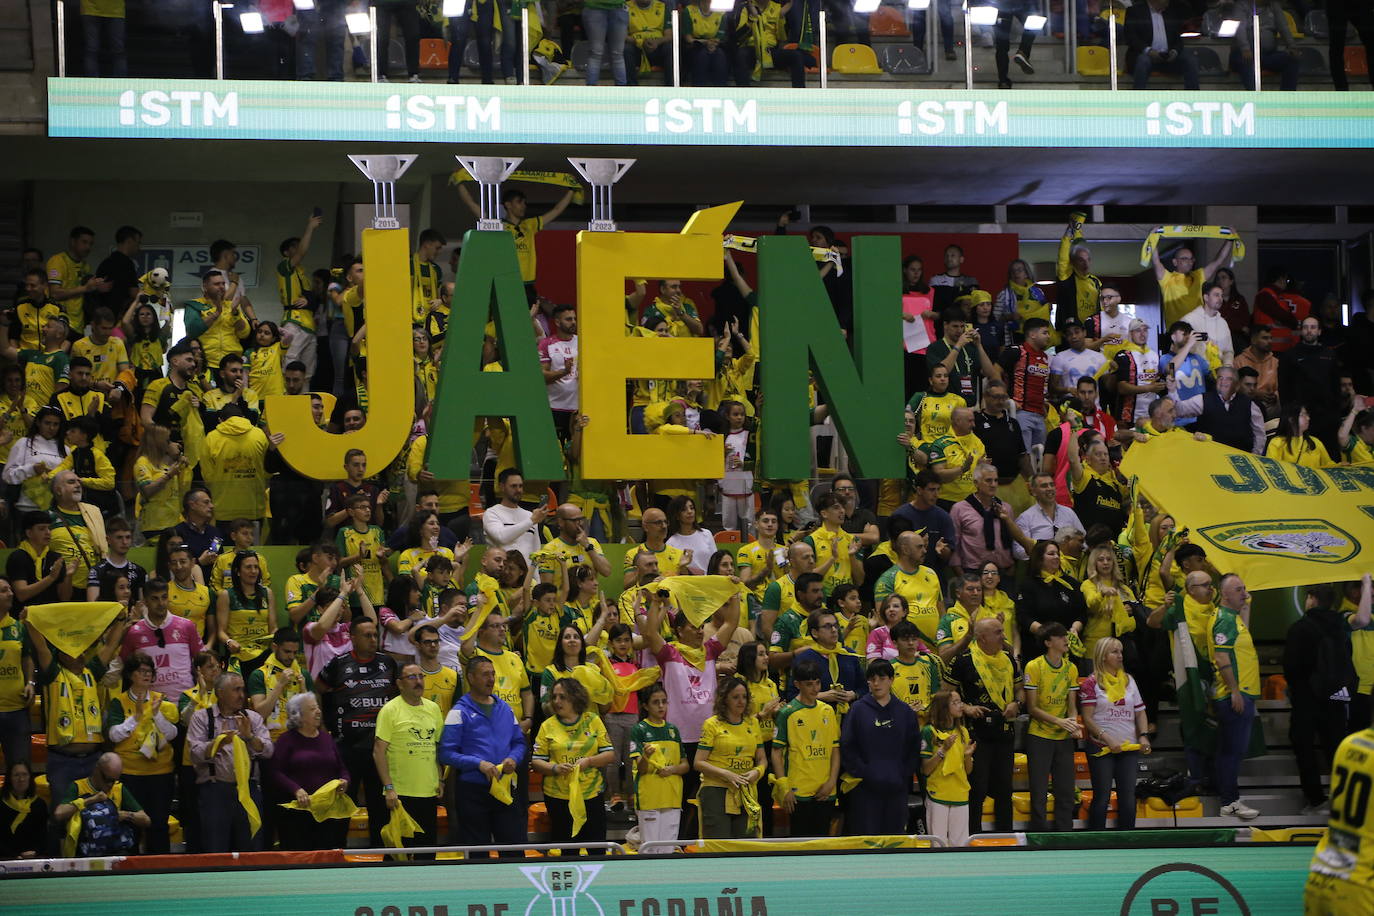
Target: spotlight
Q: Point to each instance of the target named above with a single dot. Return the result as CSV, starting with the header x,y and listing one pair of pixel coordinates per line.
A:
x,y
983,15
1034,23
1228,28
251,23
358,23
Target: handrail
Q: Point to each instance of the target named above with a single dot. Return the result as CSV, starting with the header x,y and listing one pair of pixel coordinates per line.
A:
x,y
655,846
614,848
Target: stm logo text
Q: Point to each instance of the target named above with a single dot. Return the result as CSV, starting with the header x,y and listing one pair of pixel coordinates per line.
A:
x,y
181,108
933,118
1206,119
443,112
703,116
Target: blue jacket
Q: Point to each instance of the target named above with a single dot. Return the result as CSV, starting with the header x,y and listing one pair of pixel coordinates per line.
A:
x,y
851,672
471,736
881,745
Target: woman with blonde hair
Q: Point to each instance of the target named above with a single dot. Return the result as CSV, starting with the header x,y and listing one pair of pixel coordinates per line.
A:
x,y
1114,716
162,477
1108,598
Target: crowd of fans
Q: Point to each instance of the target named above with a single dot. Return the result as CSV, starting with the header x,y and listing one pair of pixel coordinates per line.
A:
x,y
1012,590
720,44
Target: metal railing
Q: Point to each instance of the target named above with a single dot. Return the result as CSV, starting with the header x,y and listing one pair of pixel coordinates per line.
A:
x,y
658,847
612,848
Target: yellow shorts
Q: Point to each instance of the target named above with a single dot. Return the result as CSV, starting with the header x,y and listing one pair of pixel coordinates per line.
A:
x,y
1328,896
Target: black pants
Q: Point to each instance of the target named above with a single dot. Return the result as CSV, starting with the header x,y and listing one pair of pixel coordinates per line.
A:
x,y
1359,14
363,778
407,16
298,830
875,812
812,818
561,824
154,793
1315,729
485,821
1001,40
1361,712
691,782
991,776
425,812
662,56
188,805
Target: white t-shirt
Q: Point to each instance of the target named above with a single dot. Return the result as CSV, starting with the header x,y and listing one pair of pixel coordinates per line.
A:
x,y
1071,366
510,528
702,544
1118,327
1216,329
1115,720
554,354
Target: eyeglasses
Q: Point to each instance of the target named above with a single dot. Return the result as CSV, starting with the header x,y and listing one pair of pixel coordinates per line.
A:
x,y
412,677
429,642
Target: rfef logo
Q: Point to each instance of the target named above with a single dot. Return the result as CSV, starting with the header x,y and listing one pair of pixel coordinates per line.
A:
x,y
1183,889
1207,119
563,887
180,107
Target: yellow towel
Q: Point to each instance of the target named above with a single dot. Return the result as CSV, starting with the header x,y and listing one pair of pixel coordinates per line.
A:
x,y
501,788
781,786
849,783
577,805
326,803
1126,746
243,774
21,806
401,827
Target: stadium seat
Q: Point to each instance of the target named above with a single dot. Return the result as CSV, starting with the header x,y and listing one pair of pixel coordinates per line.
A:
x,y
888,22
1095,61
1080,766
1293,25
1208,61
1088,801
854,58
1275,687
538,819
1158,807
1356,64
993,841
792,46
903,59
38,750
433,54
727,537
1019,767
1315,24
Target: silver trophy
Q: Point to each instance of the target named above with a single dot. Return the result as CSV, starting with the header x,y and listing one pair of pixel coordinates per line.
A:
x,y
489,171
602,174
383,171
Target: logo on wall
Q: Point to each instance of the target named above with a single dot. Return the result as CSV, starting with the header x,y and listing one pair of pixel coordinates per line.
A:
x,y
181,107
1294,539
562,886
1182,887
1207,119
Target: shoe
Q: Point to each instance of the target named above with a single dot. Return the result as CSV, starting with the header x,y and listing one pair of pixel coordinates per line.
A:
x,y
381,78
1020,60
1319,810
415,78
950,55
510,81
1239,809
1004,84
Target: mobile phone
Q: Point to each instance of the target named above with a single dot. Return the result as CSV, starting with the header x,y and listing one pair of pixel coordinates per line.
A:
x,y
317,213
1203,335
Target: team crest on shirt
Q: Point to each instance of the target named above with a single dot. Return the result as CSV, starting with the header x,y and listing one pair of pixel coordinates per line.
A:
x,y
1294,539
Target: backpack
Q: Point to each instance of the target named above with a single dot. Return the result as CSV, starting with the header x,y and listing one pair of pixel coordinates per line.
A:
x,y
1334,671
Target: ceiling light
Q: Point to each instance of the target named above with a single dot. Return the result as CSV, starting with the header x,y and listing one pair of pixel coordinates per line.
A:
x,y
358,23
1228,28
1034,23
983,15
251,23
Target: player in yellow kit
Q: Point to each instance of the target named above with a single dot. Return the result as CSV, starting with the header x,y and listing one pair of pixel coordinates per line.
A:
x,y
1341,880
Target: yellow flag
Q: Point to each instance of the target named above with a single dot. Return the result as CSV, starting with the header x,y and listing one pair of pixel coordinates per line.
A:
x,y
1276,524
834,842
326,803
401,827
243,775
577,805
72,626
501,787
699,596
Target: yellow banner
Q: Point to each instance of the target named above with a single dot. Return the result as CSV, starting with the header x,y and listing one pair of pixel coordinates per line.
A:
x,y
534,176
1274,523
72,626
699,596
834,842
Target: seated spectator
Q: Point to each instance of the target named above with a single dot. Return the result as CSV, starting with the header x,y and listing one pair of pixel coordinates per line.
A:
x,y
198,531
39,574
1293,443
1154,42
22,835
92,467
78,530
649,43
32,456
1276,53
983,523
706,41
107,813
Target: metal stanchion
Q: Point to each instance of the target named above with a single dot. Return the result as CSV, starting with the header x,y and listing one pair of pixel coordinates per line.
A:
x,y
825,50
935,54
61,38
677,52
372,40
525,41
1070,38
217,9
1255,42
968,47
1111,40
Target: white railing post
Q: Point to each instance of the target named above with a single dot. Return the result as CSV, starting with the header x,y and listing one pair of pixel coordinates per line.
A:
x,y
1111,40
968,45
1255,42
372,41
61,38
525,42
677,50
217,9
825,50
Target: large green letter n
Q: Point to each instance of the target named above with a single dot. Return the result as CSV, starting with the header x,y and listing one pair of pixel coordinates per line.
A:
x,y
489,282
798,331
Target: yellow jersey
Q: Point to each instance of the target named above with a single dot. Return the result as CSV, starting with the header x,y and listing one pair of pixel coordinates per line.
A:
x,y
440,686
809,737
523,233
107,359
65,272
1346,851
730,747
921,589
1181,294
567,742
192,603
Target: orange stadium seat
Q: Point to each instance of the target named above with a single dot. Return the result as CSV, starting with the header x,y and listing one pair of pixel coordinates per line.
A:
x,y
1356,63
433,54
888,22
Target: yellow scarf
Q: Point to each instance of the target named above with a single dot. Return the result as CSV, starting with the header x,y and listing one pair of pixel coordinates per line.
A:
x,y
533,176
326,803
84,788
200,698
243,772
1113,684
599,688
501,787
147,735
1047,578
577,805
996,673
694,657
953,764
401,827
21,805
832,658
623,685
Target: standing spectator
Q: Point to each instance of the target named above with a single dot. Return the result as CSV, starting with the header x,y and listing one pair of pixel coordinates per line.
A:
x,y
357,685
1340,16
197,531
405,14
1234,309
404,751
1114,718
1101,493
1078,290
219,736
841,671
1003,441
216,320
1109,328
1052,701
1048,595
983,524
39,574
1208,319
1309,375
605,23
522,227
17,680
508,524
994,330
951,283
1075,360
233,467
1006,12
70,277
1227,415
107,813
355,482
103,31
558,359
162,477
571,748
1154,41
120,271
170,641
884,755
1321,677
731,763
916,583
23,835
304,759
687,534
1275,45
949,761
806,754
171,401
141,724
1294,443
960,351
1280,309
245,613
1237,688
483,742
1187,367
989,676
293,288
1181,284
1138,383
1043,520
273,685
1027,371
656,763
923,514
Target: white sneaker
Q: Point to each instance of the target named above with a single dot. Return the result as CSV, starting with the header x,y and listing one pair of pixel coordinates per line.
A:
x,y
415,78
1239,809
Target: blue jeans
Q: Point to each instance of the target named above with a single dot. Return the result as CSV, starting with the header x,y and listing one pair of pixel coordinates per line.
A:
x,y
1286,65
944,10
606,29
329,16
104,33
15,735
1032,428
1233,737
